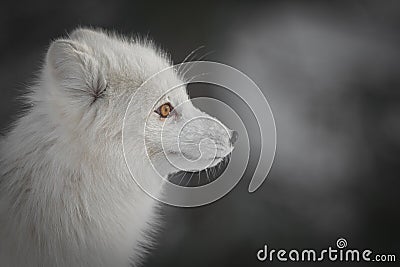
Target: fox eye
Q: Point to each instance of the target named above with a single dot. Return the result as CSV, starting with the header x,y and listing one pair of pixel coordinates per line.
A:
x,y
164,110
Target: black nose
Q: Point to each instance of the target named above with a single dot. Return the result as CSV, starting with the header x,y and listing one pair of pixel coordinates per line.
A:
x,y
234,137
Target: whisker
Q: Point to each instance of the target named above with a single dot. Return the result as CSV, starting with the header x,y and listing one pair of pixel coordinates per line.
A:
x,y
183,176
206,54
188,56
190,179
194,63
211,173
208,178
194,77
188,69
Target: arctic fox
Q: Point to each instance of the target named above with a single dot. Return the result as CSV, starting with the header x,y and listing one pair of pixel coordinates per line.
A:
x,y
67,197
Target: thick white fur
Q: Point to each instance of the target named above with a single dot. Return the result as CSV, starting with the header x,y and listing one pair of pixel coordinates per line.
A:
x,y
66,195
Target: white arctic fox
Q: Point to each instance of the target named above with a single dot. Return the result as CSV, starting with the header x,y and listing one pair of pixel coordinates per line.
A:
x,y
67,197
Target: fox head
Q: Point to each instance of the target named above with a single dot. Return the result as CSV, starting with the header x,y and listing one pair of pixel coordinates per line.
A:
x,y
98,83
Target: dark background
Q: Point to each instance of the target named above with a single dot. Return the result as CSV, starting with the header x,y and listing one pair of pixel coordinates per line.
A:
x,y
331,74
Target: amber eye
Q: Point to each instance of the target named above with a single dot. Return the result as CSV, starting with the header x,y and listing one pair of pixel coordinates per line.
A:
x,y
164,110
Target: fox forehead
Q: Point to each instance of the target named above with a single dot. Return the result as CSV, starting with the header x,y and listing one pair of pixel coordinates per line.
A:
x,y
127,59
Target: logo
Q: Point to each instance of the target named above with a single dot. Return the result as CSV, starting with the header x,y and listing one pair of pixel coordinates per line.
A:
x,y
242,88
340,253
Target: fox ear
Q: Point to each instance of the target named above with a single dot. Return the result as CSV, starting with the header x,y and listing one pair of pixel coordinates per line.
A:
x,y
87,34
74,68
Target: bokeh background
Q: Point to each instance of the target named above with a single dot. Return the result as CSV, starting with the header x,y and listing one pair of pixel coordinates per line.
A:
x,y
330,71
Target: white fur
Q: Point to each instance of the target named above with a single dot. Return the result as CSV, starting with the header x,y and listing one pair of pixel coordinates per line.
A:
x,y
66,195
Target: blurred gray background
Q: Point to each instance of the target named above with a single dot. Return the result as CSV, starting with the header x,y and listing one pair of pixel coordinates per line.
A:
x,y
331,74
